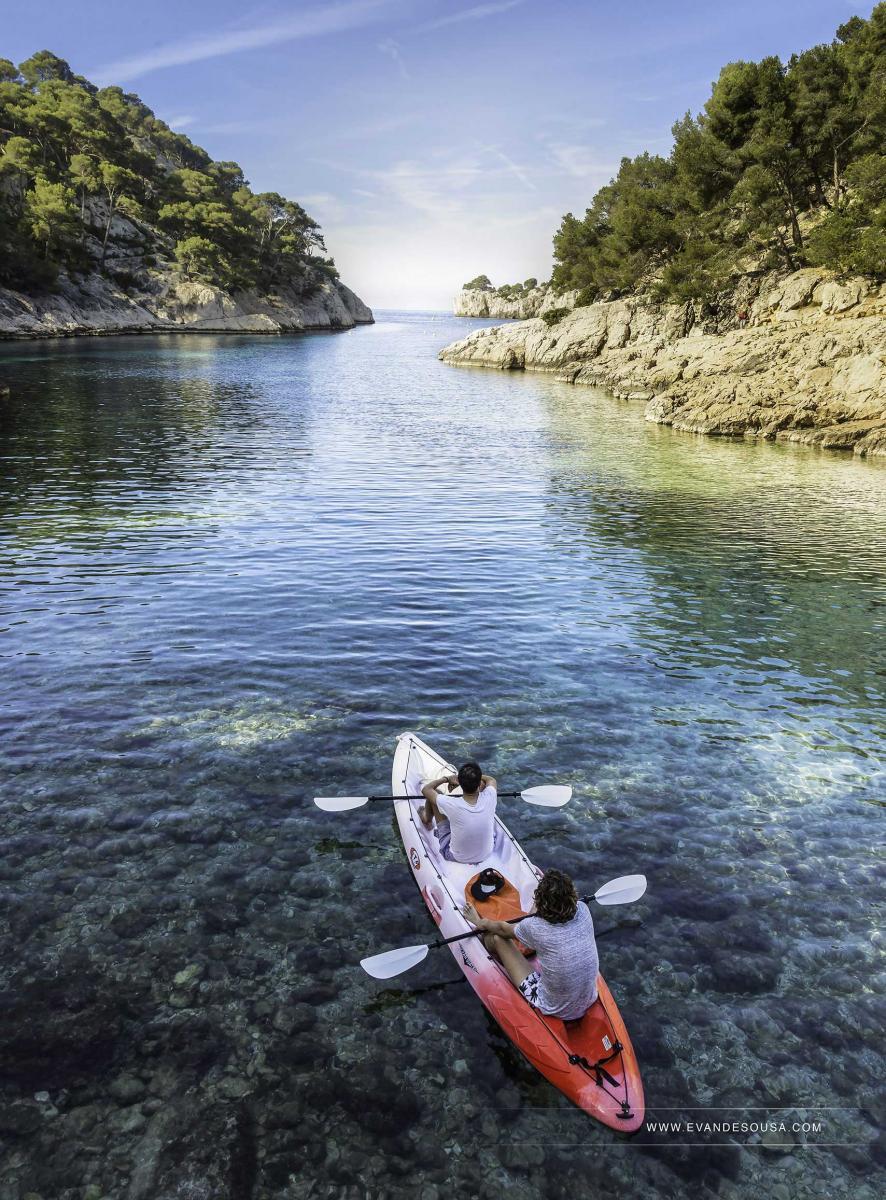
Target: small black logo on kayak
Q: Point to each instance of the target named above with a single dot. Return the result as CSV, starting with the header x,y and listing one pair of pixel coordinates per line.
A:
x,y
467,960
414,859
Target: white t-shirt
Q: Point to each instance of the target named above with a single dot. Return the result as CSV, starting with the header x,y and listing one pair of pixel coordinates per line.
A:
x,y
472,826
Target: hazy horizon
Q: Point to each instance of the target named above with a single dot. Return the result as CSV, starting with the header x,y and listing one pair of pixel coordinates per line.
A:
x,y
431,141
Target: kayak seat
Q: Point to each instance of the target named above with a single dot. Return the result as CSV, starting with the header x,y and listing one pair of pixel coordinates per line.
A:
x,y
501,906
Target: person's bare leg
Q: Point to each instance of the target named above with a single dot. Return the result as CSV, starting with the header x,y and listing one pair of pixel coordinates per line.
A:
x,y
428,810
505,950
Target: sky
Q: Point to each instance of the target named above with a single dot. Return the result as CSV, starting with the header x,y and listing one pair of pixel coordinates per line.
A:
x,y
433,140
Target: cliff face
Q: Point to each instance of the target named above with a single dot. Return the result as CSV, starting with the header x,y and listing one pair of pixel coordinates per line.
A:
x,y
163,300
802,359
480,302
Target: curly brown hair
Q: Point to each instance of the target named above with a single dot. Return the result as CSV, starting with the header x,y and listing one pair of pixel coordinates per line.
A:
x,y
556,899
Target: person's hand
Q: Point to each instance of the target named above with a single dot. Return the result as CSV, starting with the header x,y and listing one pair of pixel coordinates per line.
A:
x,y
470,914
452,781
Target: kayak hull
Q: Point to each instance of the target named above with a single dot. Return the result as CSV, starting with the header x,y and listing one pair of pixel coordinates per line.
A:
x,y
591,1061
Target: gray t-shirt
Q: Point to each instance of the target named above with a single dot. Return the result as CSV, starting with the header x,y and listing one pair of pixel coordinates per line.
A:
x,y
569,963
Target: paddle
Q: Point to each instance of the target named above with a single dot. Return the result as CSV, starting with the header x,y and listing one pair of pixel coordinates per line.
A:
x,y
625,890
551,795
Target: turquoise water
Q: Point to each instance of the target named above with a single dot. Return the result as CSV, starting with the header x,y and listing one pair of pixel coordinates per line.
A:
x,y
232,570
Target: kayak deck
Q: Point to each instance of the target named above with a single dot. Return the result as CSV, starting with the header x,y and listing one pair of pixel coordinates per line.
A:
x,y
590,1060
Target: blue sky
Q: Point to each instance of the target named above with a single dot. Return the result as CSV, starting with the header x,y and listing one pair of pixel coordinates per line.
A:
x,y
433,139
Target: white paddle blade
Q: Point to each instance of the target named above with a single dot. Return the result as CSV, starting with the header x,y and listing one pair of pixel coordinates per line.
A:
x,y
394,962
551,795
621,891
340,803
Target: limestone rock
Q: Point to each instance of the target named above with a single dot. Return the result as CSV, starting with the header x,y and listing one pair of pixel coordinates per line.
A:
x,y
836,297
163,300
808,365
480,302
797,289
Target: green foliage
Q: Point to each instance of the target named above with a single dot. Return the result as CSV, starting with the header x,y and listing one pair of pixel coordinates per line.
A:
x,y
530,283
197,256
586,296
83,169
481,283
51,215
554,315
853,238
778,150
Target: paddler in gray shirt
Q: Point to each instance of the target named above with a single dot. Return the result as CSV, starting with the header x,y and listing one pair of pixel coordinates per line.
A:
x,y
561,932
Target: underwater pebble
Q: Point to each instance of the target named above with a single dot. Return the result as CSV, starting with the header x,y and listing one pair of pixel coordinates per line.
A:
x,y
126,1089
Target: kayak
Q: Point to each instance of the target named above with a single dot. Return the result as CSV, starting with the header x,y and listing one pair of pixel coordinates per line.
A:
x,y
590,1060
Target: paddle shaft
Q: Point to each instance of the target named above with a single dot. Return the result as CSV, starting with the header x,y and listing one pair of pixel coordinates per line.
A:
x,y
459,937
501,796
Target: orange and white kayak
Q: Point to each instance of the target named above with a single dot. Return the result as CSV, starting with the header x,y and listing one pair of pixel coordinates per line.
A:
x,y
590,1060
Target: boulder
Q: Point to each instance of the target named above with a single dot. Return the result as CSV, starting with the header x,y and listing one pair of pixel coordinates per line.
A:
x,y
796,291
840,297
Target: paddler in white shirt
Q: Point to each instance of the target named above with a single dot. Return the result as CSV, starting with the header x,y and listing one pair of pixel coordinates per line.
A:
x,y
466,823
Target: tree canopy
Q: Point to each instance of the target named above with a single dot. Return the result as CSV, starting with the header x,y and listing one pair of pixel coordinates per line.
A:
x,y
91,180
784,167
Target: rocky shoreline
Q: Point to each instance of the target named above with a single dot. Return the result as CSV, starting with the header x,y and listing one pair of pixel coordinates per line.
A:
x,y
166,302
535,302
798,358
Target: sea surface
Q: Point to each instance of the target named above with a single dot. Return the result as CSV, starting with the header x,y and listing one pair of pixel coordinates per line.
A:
x,y
232,570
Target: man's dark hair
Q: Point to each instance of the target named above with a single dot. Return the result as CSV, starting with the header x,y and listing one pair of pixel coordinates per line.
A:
x,y
469,776
556,899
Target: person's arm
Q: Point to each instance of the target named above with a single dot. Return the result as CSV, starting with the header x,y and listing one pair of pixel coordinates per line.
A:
x,y
429,791
503,928
488,781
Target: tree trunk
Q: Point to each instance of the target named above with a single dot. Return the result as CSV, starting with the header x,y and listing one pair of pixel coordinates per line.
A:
x,y
838,186
111,211
785,249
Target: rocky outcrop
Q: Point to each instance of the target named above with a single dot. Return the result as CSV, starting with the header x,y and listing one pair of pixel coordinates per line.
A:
x,y
483,302
164,300
800,358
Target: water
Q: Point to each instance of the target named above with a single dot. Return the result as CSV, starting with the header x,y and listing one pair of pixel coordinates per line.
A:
x,y
233,569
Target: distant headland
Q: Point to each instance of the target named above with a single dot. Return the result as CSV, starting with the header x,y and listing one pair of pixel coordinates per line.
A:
x,y
112,222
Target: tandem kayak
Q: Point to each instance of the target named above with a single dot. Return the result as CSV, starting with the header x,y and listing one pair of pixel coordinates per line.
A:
x,y
590,1060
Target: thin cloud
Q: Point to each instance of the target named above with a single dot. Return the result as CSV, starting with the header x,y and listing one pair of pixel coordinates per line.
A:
x,y
180,122
335,18
392,50
232,127
578,161
515,170
446,186
477,13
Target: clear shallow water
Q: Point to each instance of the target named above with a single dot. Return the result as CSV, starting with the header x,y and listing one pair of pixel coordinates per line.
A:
x,y
232,570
